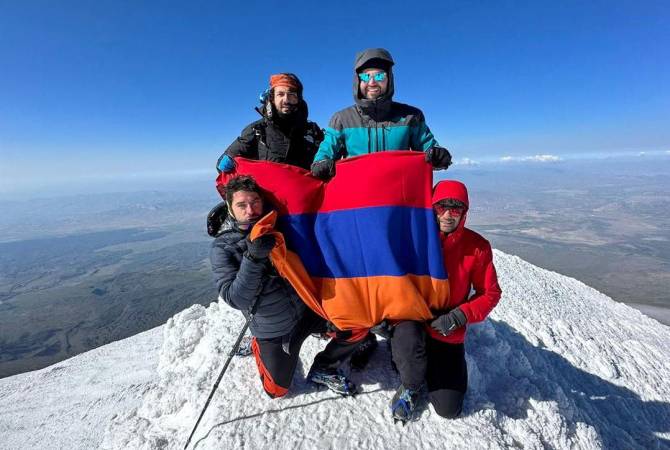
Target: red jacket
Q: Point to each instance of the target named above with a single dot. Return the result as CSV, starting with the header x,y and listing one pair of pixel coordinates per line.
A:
x,y
469,262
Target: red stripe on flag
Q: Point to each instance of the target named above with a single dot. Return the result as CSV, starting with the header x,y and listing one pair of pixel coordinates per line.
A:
x,y
360,182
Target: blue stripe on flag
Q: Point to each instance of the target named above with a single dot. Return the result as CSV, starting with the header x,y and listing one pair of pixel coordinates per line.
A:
x,y
364,242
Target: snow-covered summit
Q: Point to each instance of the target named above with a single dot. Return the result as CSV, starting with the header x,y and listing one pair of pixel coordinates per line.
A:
x,y
557,365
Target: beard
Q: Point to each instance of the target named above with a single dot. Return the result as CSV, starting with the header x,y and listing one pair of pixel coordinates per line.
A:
x,y
291,110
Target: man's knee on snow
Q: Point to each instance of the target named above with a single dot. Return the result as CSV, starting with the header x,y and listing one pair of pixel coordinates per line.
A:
x,y
448,406
275,395
273,390
448,413
269,385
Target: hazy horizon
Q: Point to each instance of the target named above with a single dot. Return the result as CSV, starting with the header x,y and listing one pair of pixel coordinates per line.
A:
x,y
56,185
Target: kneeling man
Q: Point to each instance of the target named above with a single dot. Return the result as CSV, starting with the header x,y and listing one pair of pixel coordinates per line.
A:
x,y
433,353
245,276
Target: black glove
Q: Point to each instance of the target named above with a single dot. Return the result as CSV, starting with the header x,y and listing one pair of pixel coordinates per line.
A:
x,y
439,157
449,322
324,169
261,247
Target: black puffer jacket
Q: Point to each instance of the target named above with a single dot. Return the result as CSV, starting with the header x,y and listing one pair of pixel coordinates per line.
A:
x,y
292,141
240,280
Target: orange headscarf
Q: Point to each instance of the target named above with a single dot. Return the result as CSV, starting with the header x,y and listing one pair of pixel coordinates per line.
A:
x,y
287,80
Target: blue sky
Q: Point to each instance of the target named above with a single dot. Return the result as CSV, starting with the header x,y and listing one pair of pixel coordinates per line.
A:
x,y
120,87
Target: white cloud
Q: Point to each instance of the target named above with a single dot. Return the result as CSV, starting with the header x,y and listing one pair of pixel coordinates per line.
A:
x,y
641,153
543,158
466,162
533,158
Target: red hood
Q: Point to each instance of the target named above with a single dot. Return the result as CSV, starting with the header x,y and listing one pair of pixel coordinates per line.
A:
x,y
456,190
451,189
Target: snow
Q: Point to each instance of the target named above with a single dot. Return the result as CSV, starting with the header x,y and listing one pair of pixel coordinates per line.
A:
x,y
71,403
557,365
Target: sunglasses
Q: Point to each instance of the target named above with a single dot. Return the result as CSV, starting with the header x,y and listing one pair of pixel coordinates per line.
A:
x,y
454,211
365,77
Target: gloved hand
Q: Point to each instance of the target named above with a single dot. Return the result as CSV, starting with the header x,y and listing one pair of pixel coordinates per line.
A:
x,y
449,322
323,169
439,157
261,247
226,164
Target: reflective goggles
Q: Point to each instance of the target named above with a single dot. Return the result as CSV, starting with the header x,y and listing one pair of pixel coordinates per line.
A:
x,y
454,211
378,77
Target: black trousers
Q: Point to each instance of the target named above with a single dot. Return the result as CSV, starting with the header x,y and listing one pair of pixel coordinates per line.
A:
x,y
420,358
276,367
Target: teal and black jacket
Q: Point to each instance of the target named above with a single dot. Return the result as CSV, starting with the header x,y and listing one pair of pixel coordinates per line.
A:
x,y
375,125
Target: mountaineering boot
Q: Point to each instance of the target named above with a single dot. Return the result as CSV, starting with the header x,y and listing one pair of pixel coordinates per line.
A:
x,y
333,380
403,404
361,356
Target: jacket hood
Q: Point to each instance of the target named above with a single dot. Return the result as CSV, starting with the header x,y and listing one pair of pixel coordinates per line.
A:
x,y
216,217
377,58
452,189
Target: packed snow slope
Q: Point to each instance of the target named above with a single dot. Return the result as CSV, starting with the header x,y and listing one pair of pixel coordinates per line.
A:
x,y
70,404
557,365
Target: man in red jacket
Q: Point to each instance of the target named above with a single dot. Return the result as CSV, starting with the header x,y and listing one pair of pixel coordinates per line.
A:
x,y
433,353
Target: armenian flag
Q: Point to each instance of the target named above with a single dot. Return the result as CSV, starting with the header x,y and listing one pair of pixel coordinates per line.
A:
x,y
362,247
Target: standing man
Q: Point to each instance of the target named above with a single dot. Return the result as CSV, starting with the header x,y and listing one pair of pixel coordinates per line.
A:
x,y
283,134
244,277
433,353
375,122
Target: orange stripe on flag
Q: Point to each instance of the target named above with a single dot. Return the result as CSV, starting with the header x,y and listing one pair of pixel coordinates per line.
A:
x,y
409,297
